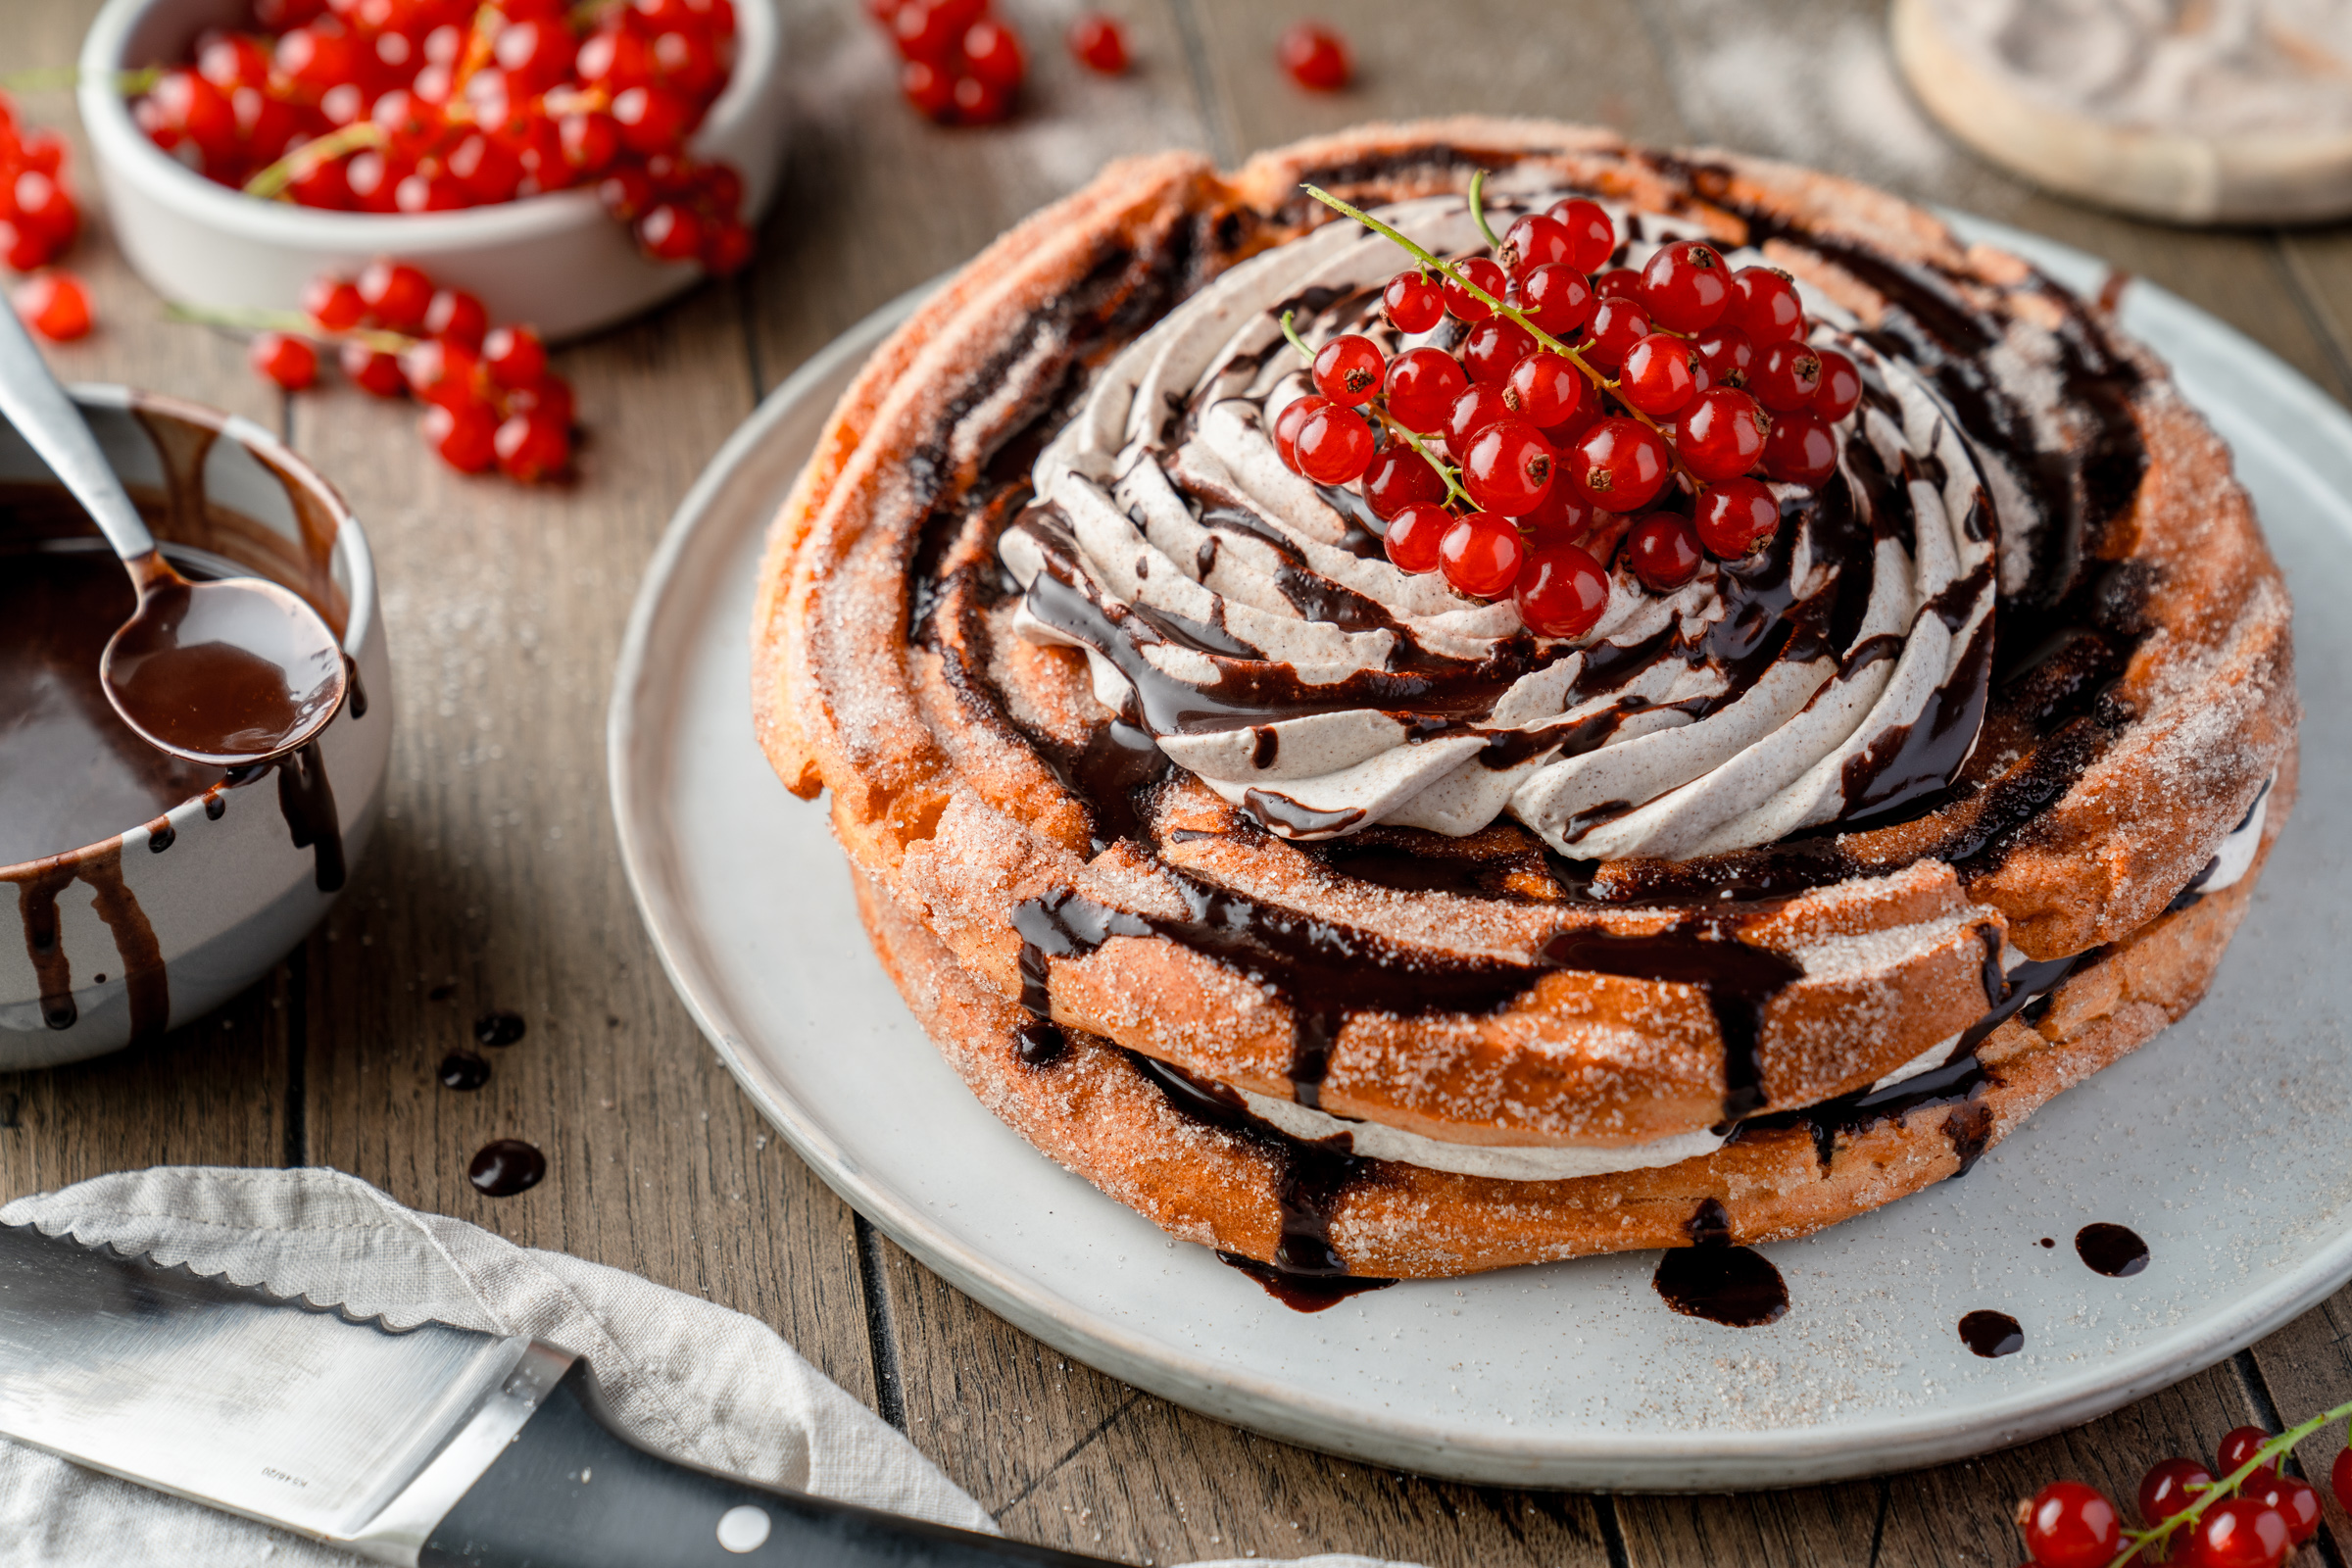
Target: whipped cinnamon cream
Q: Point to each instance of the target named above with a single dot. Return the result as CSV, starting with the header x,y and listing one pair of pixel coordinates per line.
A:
x,y
1248,620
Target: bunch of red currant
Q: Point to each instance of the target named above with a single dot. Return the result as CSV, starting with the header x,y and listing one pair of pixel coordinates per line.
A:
x,y
2249,1516
419,106
490,399
39,220
1587,408
963,65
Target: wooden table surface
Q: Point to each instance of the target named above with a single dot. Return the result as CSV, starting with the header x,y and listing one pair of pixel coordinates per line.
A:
x,y
494,882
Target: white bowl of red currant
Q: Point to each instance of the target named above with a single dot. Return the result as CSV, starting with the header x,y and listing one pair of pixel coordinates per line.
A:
x,y
567,165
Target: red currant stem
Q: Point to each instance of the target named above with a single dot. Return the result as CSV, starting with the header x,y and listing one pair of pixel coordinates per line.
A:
x,y
1455,275
2277,1447
1296,342
1453,485
271,182
64,78
481,39
290,321
588,13
1478,209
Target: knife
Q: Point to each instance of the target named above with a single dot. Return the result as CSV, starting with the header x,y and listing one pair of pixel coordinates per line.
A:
x,y
431,1447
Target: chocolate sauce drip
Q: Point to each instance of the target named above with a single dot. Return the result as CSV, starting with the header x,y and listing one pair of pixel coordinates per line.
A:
x,y
499,1028
1040,1043
1991,1334
1703,951
355,701
1285,814
1710,1225
2111,1249
464,1070
1310,1180
1737,1286
216,805
308,801
505,1167
1414,870
1113,774
36,908
161,835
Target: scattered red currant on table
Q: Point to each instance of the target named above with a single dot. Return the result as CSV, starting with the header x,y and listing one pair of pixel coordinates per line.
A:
x,y
960,64
1314,56
490,399
38,216
1099,43
416,106
55,305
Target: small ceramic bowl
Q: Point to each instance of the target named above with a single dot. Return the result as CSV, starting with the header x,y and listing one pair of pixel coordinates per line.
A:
x,y
556,261
163,920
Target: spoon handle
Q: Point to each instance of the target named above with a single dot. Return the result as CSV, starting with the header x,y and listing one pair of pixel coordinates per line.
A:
x,y
31,400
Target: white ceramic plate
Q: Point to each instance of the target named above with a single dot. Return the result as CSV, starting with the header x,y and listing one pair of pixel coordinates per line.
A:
x,y
2226,1143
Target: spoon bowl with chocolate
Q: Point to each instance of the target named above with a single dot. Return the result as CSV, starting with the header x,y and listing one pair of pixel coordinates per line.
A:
x,y
152,884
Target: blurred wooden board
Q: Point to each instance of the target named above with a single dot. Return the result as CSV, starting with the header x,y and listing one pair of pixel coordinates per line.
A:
x,y
493,883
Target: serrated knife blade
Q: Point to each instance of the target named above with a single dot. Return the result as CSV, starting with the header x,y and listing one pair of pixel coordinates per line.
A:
x,y
430,1446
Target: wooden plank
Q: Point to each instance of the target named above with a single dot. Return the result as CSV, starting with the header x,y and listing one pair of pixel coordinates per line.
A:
x,y
2316,267
1064,1456
211,1092
2300,1371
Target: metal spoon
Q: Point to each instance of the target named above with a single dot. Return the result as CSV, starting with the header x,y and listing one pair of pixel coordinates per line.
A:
x,y
226,673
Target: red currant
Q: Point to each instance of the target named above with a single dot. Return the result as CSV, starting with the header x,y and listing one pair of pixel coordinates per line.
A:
x,y
1617,326
54,305
1785,376
1494,348
185,113
670,232
2165,1489
1840,386
514,356
1620,465
2297,1501
466,434
1535,240
1663,551
1335,445
1561,590
2339,1480
1099,43
288,361
456,317
1415,535
231,59
1764,305
930,88
1400,477
549,395
980,102
1412,303
1421,386
267,126
1314,56
1592,236
1483,274
1559,515
486,169
2240,1445
651,119
1685,285
1618,283
1799,449
318,56
440,372
1659,376
1727,353
1556,298
727,248
1544,389
928,29
1349,369
1736,516
2241,1533
2068,1525
535,55
371,370
1290,422
1722,434
1473,411
1508,468
396,294
616,58
589,141
687,62
1481,555
994,53
531,447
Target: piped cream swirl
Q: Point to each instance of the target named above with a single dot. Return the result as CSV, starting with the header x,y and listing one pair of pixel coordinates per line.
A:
x,y
1249,621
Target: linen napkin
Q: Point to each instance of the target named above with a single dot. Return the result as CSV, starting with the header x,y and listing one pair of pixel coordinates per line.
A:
x,y
690,1378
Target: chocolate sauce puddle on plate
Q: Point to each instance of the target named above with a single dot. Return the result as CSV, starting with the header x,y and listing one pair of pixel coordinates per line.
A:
x,y
1737,1286
2111,1249
1991,1334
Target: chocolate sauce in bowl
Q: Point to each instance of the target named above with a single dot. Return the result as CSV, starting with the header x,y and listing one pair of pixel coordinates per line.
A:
x,y
2111,1249
1991,1334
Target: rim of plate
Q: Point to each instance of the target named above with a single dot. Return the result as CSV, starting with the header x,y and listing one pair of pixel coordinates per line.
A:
x,y
1291,1415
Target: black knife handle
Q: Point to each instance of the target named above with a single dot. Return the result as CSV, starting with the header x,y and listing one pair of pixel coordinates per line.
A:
x,y
572,1490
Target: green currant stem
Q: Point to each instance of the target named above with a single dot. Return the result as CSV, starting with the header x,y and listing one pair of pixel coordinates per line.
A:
x,y
294,322
1453,486
1454,275
2276,1449
1296,342
272,181
53,79
1478,208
